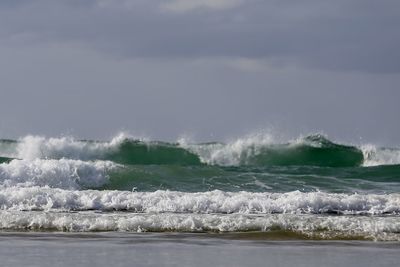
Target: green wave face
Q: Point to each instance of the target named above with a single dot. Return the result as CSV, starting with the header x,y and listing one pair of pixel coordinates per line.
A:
x,y
136,152
314,151
310,151
313,163
305,155
255,179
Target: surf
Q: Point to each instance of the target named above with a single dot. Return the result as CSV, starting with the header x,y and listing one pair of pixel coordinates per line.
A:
x,y
311,187
37,198
312,150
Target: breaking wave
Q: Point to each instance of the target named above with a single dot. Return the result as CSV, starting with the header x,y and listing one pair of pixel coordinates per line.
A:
x,y
63,173
313,150
39,198
304,226
310,187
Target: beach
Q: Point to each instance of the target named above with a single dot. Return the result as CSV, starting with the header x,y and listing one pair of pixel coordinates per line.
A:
x,y
169,249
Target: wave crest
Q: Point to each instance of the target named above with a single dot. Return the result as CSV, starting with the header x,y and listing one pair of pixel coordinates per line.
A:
x,y
314,150
254,150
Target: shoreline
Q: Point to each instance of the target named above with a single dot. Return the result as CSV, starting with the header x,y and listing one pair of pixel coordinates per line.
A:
x,y
180,249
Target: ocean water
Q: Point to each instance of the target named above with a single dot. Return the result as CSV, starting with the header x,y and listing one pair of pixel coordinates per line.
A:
x,y
310,189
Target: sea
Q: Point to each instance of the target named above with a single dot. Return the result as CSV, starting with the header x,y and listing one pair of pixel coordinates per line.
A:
x,y
251,201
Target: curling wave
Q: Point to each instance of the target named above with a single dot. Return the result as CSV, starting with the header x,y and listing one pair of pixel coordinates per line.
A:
x,y
314,150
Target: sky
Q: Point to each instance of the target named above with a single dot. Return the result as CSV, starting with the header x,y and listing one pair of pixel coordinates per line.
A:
x,y
209,69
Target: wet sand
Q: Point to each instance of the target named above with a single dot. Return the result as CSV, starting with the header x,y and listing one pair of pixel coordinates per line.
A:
x,y
178,249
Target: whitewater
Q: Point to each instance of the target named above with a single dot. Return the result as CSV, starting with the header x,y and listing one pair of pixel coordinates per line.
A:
x,y
310,187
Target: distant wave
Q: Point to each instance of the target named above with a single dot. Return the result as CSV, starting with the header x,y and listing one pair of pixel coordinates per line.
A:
x,y
313,150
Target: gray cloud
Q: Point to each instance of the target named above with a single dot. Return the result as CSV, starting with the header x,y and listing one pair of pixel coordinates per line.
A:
x,y
189,5
92,68
58,89
342,35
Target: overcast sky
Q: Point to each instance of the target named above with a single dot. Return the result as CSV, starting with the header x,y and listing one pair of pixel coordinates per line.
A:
x,y
212,69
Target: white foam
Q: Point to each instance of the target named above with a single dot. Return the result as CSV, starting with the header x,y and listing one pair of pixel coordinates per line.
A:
x,y
377,228
34,147
63,173
44,198
242,150
374,156
233,153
